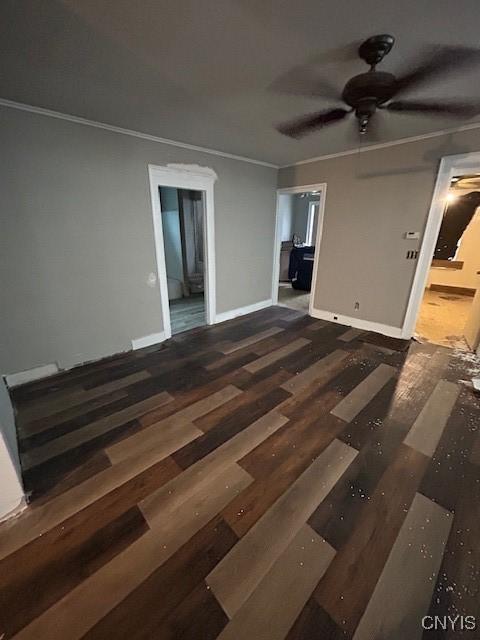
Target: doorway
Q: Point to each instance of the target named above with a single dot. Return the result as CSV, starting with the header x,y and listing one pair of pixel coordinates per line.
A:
x,y
448,306
297,240
182,213
183,221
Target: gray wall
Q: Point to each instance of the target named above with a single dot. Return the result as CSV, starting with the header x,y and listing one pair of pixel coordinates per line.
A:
x,y
77,243
372,199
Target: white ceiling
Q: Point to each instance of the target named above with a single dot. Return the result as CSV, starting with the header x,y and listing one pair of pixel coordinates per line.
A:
x,y
204,71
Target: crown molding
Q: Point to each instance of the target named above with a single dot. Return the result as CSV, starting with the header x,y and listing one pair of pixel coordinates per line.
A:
x,y
384,145
20,106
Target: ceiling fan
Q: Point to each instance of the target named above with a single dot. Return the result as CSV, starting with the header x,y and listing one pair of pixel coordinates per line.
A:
x,y
365,93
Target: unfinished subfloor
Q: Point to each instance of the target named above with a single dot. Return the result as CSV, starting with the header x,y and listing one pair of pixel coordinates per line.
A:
x,y
271,477
293,298
442,319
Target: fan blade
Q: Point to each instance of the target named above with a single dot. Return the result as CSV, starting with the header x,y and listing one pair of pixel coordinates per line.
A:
x,y
302,82
440,60
463,110
300,126
307,78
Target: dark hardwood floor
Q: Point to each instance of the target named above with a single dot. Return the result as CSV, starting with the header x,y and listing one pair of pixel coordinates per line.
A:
x,y
271,477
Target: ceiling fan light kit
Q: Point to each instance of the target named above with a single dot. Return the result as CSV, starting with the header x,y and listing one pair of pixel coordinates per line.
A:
x,y
365,93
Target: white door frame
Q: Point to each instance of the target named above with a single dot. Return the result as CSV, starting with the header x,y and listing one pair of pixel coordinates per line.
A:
x,y
313,207
321,187
197,179
450,166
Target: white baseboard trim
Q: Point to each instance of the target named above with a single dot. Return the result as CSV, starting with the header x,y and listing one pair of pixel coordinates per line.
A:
x,y
358,323
241,311
15,379
14,510
147,341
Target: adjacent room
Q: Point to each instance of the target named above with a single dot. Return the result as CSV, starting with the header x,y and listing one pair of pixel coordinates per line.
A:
x,y
447,314
298,218
183,238
239,320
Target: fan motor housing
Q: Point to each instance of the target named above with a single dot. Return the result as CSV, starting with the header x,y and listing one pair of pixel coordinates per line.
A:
x,y
377,86
376,48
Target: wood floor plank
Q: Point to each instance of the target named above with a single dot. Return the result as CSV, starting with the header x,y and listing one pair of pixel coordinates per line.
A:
x,y
192,394
51,473
475,453
314,623
43,485
397,344
299,437
346,587
456,590
219,427
167,587
375,348
79,610
248,352
284,590
351,334
246,342
76,438
44,424
50,406
277,471
174,493
377,432
397,405
442,482
414,560
427,429
276,355
318,324
319,372
254,392
198,617
64,555
36,521
275,342
357,399
151,436
43,579
338,515
239,573
124,549
339,380
91,413
235,359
